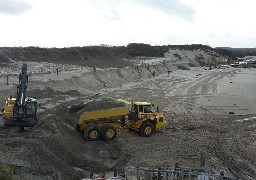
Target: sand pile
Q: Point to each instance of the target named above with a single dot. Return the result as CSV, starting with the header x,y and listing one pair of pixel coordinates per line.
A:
x,y
76,110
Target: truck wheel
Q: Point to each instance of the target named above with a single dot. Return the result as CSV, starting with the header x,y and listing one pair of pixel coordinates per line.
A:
x,y
147,129
108,133
92,133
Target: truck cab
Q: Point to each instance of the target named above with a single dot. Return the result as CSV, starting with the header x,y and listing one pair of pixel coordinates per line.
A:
x,y
145,114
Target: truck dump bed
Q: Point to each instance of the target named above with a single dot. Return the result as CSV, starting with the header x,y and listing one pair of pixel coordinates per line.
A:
x,y
111,113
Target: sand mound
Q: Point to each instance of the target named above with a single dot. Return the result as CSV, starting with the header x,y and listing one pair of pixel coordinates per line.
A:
x,y
76,110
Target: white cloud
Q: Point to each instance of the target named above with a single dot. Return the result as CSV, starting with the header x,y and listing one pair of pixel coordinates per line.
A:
x,y
109,9
171,7
65,23
13,7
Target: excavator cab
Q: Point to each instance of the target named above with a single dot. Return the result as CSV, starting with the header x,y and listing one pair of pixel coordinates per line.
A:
x,y
31,108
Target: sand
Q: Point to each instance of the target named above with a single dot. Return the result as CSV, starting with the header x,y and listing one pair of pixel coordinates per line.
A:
x,y
207,111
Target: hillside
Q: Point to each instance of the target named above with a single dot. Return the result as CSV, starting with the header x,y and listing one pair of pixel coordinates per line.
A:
x,y
105,56
237,52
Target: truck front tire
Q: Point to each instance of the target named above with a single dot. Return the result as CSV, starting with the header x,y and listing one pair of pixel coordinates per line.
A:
x,y
146,129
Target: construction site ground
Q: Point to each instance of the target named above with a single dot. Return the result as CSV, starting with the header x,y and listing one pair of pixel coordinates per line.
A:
x,y
207,110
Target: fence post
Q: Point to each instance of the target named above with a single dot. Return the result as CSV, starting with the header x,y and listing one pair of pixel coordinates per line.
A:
x,y
159,174
7,79
138,177
204,161
146,174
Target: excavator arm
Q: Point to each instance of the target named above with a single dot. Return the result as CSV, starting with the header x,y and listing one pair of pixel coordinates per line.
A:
x,y
19,108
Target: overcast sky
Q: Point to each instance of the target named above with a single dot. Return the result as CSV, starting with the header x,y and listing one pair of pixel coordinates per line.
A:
x,y
65,23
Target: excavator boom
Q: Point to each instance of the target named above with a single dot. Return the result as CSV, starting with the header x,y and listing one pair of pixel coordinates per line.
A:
x,y
21,93
23,81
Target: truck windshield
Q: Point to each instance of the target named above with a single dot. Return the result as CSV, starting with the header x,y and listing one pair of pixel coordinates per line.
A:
x,y
147,109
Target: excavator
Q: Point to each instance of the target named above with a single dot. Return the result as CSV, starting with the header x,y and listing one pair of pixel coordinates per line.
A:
x,y
20,111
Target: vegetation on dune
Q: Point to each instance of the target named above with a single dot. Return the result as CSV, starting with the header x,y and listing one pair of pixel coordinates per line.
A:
x,y
99,56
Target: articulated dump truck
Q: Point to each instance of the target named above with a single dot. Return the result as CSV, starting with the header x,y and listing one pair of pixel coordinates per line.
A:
x,y
102,124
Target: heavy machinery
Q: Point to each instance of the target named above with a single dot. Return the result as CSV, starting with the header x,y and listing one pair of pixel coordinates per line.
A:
x,y
102,124
20,111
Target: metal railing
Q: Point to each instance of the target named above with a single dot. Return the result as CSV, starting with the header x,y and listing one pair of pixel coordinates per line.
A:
x,y
135,173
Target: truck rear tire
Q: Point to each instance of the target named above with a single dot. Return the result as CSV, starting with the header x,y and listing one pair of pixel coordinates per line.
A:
x,y
108,132
92,133
146,129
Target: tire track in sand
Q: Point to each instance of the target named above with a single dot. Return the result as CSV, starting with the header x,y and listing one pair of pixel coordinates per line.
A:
x,y
201,86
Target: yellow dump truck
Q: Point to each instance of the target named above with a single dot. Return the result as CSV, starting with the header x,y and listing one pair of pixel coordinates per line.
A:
x,y
102,124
